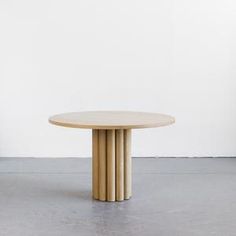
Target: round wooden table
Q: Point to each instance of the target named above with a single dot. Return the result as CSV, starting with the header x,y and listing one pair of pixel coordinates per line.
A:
x,y
111,138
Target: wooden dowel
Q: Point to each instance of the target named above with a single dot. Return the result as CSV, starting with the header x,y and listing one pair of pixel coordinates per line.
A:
x,y
127,164
95,154
111,191
102,164
119,165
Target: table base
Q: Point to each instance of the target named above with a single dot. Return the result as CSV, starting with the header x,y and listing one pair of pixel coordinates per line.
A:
x,y
111,164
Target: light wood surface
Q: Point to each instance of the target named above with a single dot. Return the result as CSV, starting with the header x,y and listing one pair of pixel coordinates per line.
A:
x,y
111,179
111,165
120,165
95,161
102,165
111,120
127,164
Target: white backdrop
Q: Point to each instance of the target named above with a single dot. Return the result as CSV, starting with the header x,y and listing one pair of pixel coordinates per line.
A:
x,y
174,57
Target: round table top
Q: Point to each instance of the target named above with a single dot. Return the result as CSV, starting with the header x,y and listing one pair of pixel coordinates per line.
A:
x,y
111,120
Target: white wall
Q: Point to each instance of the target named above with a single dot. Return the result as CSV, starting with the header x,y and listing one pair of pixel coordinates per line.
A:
x,y
174,57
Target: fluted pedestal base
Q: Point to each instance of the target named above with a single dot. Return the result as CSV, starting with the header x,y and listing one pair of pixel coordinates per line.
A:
x,y
111,164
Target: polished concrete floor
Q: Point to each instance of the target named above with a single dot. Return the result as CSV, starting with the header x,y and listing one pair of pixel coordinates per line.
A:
x,y
171,197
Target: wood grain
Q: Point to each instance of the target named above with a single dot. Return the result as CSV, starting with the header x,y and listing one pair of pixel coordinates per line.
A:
x,y
102,165
119,165
127,164
95,157
111,190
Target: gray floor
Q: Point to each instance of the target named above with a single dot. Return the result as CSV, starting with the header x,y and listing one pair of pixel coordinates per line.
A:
x,y
171,197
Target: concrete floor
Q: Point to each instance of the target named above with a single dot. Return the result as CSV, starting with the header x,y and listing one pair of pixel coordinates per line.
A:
x,y
171,197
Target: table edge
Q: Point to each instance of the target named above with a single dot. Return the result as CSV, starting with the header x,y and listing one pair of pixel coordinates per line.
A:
x,y
79,126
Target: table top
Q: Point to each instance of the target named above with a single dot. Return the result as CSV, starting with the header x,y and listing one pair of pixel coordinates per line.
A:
x,y
111,120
